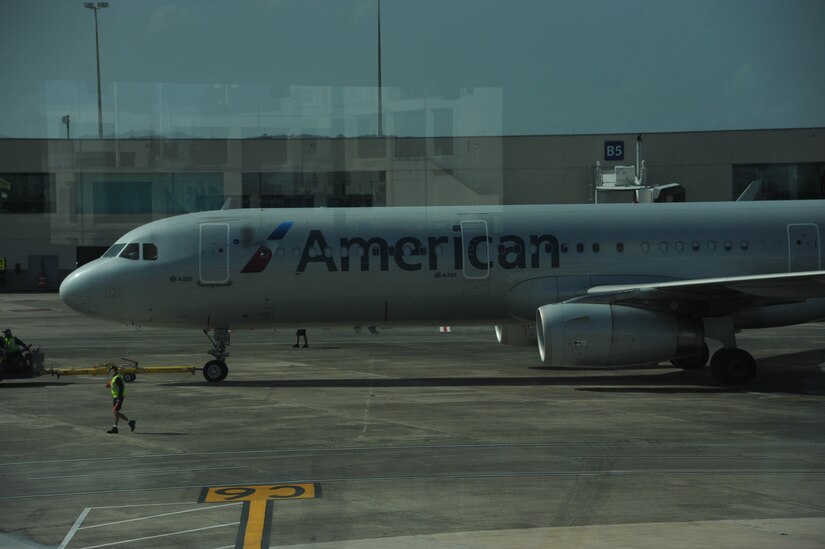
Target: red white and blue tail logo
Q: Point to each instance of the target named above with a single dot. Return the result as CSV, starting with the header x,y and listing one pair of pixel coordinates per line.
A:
x,y
260,259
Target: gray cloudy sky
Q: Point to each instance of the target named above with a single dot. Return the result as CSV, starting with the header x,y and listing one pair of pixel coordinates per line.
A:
x,y
201,67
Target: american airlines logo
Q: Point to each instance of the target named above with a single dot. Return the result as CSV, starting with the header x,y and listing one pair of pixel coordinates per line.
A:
x,y
411,253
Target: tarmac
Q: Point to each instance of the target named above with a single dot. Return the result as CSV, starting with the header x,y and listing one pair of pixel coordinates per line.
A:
x,y
406,438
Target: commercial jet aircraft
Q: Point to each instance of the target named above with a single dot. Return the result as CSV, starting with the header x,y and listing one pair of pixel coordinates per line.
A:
x,y
595,285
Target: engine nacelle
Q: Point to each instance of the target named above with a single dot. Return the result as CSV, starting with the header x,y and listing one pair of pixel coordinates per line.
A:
x,y
521,335
613,335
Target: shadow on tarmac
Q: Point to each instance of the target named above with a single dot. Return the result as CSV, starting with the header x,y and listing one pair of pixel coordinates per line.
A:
x,y
12,384
157,434
433,382
794,373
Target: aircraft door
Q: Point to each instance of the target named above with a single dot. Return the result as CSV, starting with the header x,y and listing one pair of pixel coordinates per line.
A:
x,y
213,267
476,252
803,247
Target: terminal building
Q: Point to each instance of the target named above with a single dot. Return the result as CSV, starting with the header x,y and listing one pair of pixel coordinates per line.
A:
x,y
64,201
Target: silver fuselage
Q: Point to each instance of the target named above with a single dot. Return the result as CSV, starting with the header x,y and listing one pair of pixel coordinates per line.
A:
x,y
431,265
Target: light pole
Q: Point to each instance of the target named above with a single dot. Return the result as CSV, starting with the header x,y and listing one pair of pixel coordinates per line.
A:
x,y
380,109
67,120
94,6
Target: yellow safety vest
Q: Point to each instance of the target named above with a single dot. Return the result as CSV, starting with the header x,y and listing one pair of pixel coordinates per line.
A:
x,y
10,344
118,392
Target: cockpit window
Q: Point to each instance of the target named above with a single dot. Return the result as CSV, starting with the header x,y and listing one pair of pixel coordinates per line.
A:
x,y
131,251
150,252
114,250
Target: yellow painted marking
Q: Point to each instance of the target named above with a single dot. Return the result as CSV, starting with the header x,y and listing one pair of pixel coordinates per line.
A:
x,y
257,506
221,494
254,530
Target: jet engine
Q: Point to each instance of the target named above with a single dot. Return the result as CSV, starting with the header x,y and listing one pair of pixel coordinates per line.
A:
x,y
613,335
522,335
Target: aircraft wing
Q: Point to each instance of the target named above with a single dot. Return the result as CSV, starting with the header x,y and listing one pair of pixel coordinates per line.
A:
x,y
713,296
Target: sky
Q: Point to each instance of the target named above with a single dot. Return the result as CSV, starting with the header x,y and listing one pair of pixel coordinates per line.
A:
x,y
240,68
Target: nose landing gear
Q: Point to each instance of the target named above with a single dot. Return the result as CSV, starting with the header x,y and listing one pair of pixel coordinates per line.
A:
x,y
217,370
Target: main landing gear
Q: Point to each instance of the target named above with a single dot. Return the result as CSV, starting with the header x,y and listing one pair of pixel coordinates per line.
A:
x,y
216,370
733,366
729,365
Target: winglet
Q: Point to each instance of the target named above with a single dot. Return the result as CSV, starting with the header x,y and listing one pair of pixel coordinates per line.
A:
x,y
750,193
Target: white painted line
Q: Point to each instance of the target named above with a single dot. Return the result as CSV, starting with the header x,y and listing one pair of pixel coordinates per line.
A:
x,y
162,535
200,508
70,534
179,504
133,472
362,449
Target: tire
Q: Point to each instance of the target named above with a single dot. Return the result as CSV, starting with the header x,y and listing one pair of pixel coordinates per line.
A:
x,y
215,371
129,378
733,366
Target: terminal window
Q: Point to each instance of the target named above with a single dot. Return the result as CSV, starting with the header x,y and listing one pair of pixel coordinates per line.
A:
x,y
26,193
781,181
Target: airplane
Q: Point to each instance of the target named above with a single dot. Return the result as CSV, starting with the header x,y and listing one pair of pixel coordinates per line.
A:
x,y
589,285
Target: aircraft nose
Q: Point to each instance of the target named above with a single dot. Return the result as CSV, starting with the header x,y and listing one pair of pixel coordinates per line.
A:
x,y
76,291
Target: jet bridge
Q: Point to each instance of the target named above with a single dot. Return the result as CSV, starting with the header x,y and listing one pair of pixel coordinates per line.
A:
x,y
628,184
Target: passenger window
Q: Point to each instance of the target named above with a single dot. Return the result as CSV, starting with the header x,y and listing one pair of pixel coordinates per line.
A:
x,y
743,245
645,247
114,250
694,246
565,247
620,247
596,247
680,246
150,252
131,251
663,246
580,247
712,245
728,245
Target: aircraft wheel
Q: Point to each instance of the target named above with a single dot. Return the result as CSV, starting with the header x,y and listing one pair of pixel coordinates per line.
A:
x,y
694,362
129,378
215,370
733,366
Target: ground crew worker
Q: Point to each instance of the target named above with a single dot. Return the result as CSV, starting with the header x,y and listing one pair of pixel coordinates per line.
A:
x,y
118,387
298,335
13,348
